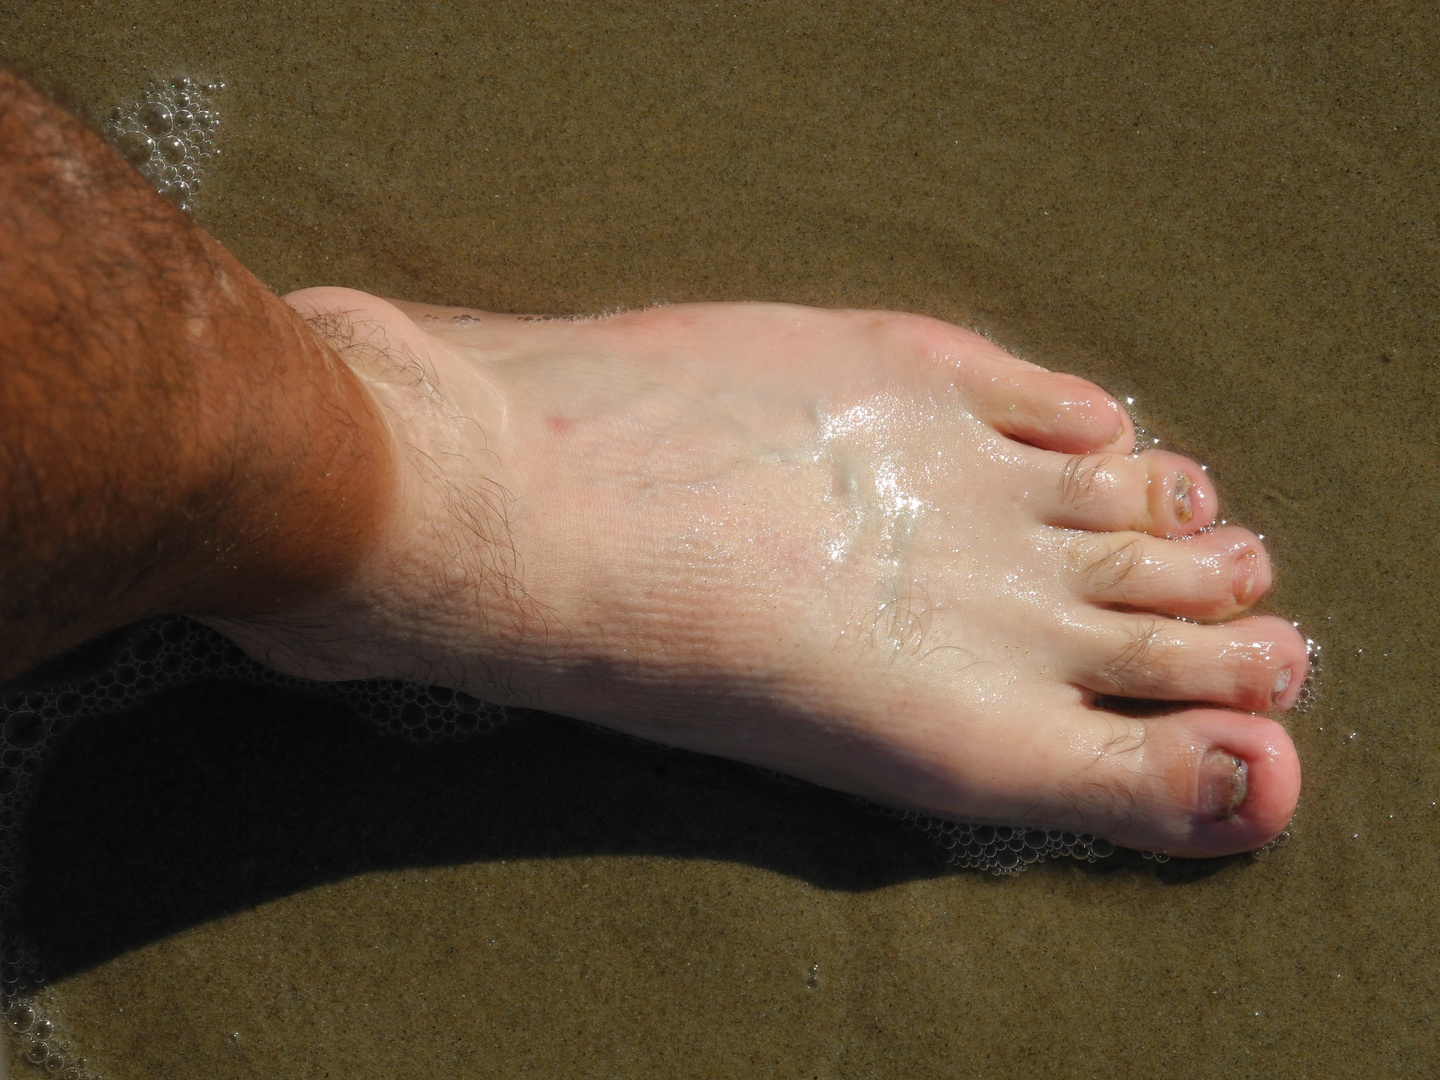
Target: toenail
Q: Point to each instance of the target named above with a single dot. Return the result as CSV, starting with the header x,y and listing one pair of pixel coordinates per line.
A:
x,y
1119,421
1183,510
1247,568
1224,783
1282,681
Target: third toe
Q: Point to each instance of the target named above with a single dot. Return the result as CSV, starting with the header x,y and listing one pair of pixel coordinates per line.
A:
x,y
1214,575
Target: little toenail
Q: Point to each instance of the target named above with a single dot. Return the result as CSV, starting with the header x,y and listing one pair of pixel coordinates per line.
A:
x,y
1282,681
1183,509
1224,783
1247,568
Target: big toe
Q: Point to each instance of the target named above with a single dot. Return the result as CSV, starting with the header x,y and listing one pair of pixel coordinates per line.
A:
x,y
1196,783
1207,783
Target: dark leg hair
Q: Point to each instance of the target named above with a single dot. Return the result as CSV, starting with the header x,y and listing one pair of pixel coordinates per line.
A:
x,y
172,435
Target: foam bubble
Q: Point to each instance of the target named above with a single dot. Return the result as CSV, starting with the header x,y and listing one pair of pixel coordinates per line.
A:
x,y
156,118
1002,849
167,135
135,147
172,148
172,651
148,658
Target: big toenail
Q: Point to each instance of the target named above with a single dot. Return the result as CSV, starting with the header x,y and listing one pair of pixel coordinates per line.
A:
x,y
1282,681
1224,783
1183,509
1247,568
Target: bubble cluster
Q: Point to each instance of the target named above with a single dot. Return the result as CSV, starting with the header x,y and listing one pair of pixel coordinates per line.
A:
x,y
150,657
172,651
1308,693
39,1042
168,135
1274,845
1003,849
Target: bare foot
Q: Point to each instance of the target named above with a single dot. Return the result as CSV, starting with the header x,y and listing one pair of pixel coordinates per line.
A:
x,y
867,549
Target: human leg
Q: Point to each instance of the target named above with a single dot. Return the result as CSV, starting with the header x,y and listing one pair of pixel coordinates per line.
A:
x,y
171,434
858,547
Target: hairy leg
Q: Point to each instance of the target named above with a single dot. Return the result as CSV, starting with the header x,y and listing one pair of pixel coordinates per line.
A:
x,y
867,549
172,436
863,548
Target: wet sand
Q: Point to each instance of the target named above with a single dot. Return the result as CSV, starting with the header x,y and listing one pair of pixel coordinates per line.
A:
x,y
1228,213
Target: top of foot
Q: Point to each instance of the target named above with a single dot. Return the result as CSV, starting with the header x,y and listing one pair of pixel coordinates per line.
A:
x,y
867,549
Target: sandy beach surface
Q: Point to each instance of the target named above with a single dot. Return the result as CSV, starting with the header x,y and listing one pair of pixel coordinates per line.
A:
x,y
1225,211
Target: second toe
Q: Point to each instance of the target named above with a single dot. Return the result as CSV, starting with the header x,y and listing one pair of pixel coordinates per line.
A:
x,y
1258,664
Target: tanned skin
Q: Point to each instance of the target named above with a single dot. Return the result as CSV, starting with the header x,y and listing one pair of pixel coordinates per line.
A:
x,y
869,549
254,468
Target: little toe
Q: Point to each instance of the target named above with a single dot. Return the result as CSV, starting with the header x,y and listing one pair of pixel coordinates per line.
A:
x,y
1214,575
1028,403
1256,663
1157,492
1053,411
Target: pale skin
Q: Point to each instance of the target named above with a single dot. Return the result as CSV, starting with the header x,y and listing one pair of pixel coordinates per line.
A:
x,y
871,550
814,541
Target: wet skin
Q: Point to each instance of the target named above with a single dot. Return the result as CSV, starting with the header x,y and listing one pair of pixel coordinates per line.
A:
x,y
868,549
871,550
